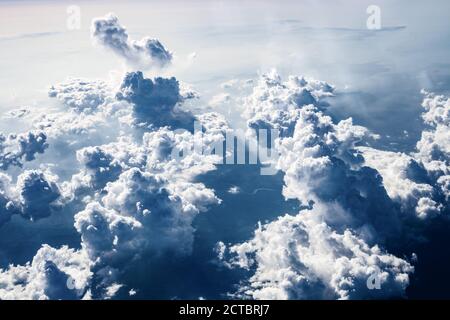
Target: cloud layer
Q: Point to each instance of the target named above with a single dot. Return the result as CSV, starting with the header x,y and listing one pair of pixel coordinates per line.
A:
x,y
108,158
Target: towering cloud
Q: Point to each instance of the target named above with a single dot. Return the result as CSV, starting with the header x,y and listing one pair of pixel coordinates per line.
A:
x,y
143,201
33,197
155,101
145,53
37,192
329,249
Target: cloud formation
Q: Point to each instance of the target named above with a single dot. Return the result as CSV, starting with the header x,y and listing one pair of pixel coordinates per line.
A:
x,y
34,196
155,101
52,274
79,94
131,198
144,53
301,257
336,242
420,181
15,149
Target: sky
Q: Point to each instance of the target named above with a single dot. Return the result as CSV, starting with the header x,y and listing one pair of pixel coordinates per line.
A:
x,y
93,95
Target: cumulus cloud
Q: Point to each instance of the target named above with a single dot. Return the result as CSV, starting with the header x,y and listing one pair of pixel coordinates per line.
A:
x,y
144,53
34,196
88,114
144,200
135,197
52,274
234,190
433,149
331,247
406,181
100,166
7,206
319,158
420,181
141,214
105,232
155,101
15,149
301,257
274,104
79,94
37,192
99,114
141,201
154,189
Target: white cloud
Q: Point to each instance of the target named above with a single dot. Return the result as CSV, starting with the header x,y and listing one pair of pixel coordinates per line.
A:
x,y
274,103
330,249
434,146
420,182
105,232
301,257
34,196
406,181
80,94
135,200
144,53
150,206
234,190
7,206
37,192
155,101
52,274
15,149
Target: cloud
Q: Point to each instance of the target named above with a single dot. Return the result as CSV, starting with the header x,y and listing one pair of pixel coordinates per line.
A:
x,y
156,190
79,94
406,181
132,199
420,181
105,232
140,203
274,104
33,197
52,274
234,190
15,149
433,149
318,156
143,201
300,257
154,101
37,192
7,207
331,247
101,166
140,215
145,53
